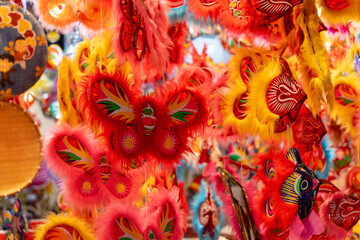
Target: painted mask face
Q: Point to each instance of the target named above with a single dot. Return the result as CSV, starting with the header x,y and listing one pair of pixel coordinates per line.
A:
x,y
148,119
301,186
284,96
345,212
308,130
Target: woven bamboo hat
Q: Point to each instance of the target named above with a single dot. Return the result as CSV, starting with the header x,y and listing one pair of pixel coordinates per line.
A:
x,y
20,148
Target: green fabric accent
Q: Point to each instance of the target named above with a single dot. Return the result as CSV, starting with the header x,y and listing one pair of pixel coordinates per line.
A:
x,y
170,226
234,157
109,106
182,116
71,156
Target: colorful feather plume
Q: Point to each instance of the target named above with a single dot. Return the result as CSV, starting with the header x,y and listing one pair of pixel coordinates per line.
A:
x,y
314,64
346,98
141,32
95,55
75,155
66,97
275,98
138,127
235,111
336,12
64,227
126,221
244,64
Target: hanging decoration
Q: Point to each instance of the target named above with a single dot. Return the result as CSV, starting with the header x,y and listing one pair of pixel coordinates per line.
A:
x,y
64,227
23,50
121,221
294,189
62,15
140,127
71,153
207,219
21,150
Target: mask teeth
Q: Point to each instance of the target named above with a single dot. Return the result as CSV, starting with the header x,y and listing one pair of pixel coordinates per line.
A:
x,y
288,193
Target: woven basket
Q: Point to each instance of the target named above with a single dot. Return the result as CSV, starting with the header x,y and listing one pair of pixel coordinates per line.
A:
x,y
20,148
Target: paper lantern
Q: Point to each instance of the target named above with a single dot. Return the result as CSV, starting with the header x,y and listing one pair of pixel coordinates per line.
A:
x,y
23,49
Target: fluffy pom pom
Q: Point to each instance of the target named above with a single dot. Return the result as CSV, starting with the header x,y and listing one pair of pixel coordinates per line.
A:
x,y
124,187
84,193
170,145
55,14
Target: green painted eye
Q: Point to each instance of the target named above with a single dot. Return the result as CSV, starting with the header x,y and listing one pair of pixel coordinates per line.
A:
x,y
300,185
297,185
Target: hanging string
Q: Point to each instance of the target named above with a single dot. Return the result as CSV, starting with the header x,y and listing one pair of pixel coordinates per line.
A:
x,y
101,16
288,135
146,197
358,152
